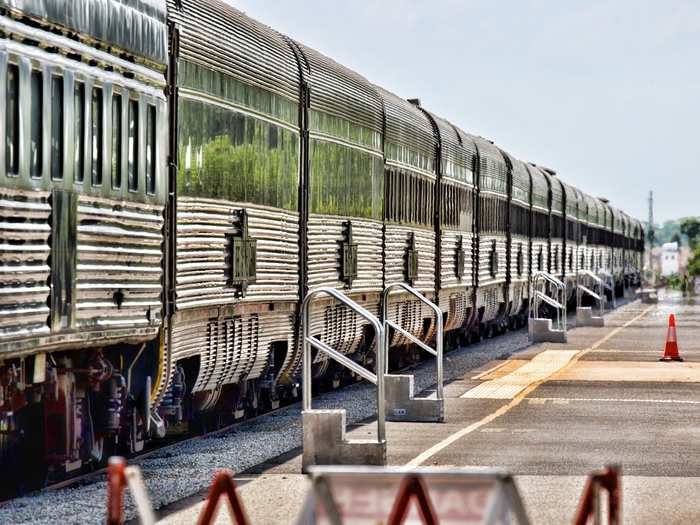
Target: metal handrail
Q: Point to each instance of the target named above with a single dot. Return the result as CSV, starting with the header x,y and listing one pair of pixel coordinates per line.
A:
x,y
582,289
609,284
437,352
538,294
309,341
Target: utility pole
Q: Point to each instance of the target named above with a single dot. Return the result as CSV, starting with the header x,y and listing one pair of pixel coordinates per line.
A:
x,y
650,228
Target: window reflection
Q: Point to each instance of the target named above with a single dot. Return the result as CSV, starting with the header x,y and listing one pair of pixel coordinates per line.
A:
x,y
225,154
345,181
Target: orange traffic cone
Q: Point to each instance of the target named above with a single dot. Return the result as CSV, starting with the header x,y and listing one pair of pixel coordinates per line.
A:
x,y
671,350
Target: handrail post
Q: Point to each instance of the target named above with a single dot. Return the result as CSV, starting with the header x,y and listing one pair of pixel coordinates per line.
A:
x,y
321,448
437,352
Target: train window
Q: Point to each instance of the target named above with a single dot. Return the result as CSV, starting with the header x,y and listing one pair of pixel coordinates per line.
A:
x,y
57,127
133,161
116,141
97,146
151,150
79,130
36,145
12,121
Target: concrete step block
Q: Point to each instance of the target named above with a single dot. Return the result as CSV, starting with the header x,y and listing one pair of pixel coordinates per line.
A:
x,y
541,331
585,317
325,442
402,405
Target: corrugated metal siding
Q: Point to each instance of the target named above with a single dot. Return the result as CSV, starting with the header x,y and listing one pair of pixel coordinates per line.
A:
x,y
326,234
217,36
202,246
24,270
396,246
136,26
450,241
119,249
232,348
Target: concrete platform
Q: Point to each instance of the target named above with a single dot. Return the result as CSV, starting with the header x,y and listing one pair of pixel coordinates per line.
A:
x,y
550,415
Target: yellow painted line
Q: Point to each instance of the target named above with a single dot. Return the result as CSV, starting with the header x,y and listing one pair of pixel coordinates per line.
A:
x,y
510,385
566,400
438,447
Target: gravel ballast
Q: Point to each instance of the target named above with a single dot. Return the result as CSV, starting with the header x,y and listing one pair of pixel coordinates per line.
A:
x,y
187,468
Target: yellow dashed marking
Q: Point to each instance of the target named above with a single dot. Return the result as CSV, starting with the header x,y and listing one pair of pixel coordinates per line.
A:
x,y
510,385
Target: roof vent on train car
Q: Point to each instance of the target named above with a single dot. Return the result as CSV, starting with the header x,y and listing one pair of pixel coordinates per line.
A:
x,y
604,200
414,101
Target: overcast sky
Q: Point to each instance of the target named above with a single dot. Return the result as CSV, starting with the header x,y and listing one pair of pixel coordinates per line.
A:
x,y
605,92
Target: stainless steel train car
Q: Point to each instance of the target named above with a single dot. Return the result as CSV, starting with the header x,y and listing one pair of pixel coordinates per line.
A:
x,y
175,178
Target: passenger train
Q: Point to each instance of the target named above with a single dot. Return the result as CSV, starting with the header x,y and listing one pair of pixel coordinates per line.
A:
x,y
176,176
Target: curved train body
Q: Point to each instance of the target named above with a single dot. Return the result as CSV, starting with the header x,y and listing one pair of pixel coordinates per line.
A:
x,y
174,178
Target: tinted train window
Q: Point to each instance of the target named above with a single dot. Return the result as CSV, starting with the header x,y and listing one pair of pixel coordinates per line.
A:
x,y
97,145
116,142
133,168
57,128
36,146
151,150
79,130
350,182
224,154
12,121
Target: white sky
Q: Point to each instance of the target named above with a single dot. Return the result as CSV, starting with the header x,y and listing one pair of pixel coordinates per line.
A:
x,y
605,92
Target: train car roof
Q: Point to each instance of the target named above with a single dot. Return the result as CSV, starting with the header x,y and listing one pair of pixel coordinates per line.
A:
x,y
226,53
459,152
340,93
521,178
409,140
493,172
135,26
540,188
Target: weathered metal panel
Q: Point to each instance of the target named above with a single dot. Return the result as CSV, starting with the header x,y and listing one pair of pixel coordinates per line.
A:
x,y
24,268
119,278
135,26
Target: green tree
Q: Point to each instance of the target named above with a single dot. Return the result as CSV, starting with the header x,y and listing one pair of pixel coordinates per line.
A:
x,y
676,237
694,263
691,228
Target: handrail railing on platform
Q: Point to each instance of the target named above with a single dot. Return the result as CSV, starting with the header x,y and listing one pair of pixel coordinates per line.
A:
x,y
588,277
540,283
437,351
608,284
308,342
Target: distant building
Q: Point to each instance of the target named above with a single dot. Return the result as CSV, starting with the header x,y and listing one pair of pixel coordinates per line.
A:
x,y
670,259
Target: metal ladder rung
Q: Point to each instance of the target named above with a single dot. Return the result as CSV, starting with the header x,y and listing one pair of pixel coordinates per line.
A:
x,y
548,300
343,360
411,337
